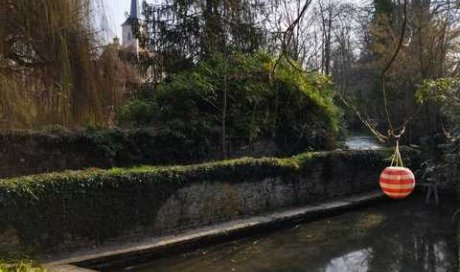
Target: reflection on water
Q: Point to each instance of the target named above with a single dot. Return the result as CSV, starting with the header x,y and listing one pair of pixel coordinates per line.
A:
x,y
402,235
354,261
360,142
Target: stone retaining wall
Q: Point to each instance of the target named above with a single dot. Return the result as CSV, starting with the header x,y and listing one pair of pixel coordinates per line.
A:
x,y
208,202
167,200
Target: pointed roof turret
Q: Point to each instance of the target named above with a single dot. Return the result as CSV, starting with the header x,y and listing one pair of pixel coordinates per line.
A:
x,y
134,9
134,14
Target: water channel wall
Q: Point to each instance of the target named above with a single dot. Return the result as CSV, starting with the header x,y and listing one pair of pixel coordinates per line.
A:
x,y
78,209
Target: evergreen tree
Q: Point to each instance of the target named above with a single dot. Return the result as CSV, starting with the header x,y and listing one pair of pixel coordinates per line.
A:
x,y
180,33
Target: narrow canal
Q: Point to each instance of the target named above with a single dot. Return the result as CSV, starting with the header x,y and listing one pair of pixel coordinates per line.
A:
x,y
405,235
360,142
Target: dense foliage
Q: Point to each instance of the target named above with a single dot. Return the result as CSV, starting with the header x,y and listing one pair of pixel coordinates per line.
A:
x,y
31,152
444,94
442,163
237,101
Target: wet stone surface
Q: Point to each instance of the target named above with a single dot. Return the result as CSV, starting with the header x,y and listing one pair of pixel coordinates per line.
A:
x,y
402,235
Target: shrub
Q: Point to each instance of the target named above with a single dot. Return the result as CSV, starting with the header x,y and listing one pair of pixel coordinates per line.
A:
x,y
294,109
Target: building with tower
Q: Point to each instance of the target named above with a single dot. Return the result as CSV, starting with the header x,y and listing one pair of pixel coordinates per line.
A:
x,y
130,44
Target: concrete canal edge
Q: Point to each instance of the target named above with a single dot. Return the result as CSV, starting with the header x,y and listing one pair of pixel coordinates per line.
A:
x,y
123,255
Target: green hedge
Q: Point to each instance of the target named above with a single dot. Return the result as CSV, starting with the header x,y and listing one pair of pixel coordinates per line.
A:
x,y
32,152
94,205
290,108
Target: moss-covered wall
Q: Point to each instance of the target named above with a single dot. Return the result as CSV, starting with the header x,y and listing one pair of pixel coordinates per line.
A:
x,y
86,208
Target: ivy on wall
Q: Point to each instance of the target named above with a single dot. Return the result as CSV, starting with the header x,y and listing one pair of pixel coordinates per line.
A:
x,y
50,211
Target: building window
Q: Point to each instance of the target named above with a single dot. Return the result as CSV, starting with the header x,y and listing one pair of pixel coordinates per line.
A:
x,y
129,36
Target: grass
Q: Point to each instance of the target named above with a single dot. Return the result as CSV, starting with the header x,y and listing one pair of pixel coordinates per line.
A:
x,y
21,266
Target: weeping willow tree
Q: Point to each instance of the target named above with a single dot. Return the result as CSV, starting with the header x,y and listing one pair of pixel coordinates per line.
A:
x,y
50,69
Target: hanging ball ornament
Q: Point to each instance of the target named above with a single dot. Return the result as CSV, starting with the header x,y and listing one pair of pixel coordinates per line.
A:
x,y
397,181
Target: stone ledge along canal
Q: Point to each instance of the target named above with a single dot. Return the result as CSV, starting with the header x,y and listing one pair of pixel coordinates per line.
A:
x,y
406,235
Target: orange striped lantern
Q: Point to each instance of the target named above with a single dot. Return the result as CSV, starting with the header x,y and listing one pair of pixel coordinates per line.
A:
x,y
397,181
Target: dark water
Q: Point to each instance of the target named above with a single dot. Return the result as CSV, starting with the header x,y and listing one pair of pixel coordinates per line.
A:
x,y
402,235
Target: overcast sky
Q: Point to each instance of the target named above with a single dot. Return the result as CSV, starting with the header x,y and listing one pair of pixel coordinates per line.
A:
x,y
116,11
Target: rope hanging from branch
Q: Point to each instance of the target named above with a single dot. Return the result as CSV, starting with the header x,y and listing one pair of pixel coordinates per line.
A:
x,y
392,133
